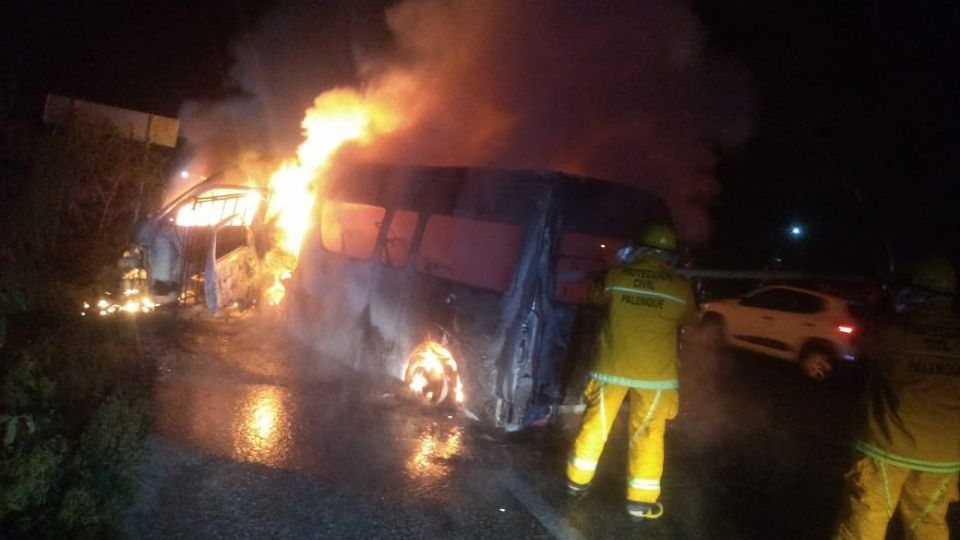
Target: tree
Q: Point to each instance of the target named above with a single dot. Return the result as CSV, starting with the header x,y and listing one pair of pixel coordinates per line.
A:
x,y
69,210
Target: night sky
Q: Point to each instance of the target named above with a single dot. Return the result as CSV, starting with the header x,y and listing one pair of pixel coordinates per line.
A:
x,y
858,118
855,133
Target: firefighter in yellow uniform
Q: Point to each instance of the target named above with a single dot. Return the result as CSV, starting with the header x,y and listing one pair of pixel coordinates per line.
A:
x,y
910,448
637,354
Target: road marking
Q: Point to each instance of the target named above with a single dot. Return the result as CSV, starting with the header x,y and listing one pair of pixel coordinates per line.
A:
x,y
538,508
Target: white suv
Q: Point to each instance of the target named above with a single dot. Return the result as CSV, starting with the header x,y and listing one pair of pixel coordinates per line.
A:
x,y
808,327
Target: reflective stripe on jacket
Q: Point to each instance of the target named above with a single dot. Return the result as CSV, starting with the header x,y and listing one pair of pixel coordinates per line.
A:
x,y
646,304
913,408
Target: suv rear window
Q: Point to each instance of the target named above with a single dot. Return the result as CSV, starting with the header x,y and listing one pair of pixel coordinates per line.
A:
x,y
785,300
470,251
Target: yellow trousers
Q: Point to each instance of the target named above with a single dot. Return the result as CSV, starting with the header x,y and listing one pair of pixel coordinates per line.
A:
x,y
875,490
649,412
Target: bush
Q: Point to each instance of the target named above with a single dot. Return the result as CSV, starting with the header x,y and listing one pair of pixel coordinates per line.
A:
x,y
104,478
76,403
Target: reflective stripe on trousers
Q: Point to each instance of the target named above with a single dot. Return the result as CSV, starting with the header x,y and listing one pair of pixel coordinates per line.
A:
x,y
649,411
875,490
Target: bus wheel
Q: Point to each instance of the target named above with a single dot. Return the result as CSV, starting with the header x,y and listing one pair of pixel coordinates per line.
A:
x,y
432,376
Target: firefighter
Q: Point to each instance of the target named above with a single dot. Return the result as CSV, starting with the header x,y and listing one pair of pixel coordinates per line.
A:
x,y
909,452
646,304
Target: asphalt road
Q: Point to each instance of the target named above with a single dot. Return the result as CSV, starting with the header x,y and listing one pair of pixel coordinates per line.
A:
x,y
257,438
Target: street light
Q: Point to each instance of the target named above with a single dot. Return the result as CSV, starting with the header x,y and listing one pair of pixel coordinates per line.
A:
x,y
796,231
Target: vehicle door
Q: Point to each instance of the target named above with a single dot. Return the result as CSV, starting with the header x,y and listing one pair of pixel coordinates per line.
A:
x,y
762,321
465,272
218,225
799,318
390,334
337,270
231,269
580,259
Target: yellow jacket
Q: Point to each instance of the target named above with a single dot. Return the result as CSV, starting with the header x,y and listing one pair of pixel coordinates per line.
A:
x,y
646,304
913,407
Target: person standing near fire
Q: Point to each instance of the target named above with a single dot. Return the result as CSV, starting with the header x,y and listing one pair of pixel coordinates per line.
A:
x,y
646,305
909,452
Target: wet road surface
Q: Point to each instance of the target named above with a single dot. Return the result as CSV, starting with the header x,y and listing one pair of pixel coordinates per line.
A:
x,y
257,438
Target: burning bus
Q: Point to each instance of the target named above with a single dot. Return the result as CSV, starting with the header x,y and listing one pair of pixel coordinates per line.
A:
x,y
467,284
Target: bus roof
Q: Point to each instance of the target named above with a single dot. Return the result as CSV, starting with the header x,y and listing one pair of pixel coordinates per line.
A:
x,y
585,204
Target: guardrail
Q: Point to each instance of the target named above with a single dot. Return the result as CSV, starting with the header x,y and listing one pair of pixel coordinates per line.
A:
x,y
772,276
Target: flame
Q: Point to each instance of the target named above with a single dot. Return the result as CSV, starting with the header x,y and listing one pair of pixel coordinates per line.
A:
x,y
337,117
458,391
433,363
133,302
275,292
418,383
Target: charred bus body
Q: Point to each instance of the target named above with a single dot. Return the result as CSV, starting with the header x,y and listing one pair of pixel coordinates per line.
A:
x,y
457,279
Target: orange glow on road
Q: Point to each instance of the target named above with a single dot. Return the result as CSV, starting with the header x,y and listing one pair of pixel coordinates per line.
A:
x,y
262,431
435,447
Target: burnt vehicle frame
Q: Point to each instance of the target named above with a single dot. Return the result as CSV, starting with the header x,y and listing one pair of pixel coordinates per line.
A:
x,y
523,342
216,228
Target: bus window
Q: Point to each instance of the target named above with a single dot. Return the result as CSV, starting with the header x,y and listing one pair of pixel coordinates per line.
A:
x,y
351,228
399,238
580,259
474,252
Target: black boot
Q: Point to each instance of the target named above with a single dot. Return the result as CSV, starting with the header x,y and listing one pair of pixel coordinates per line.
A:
x,y
575,490
639,511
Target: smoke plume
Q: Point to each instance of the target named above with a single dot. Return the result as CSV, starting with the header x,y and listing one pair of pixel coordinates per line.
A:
x,y
625,91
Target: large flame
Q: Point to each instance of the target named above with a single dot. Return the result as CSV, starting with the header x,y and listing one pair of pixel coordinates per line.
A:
x,y
337,117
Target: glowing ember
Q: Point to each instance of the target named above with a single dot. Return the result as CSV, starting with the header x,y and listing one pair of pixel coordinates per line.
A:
x,y
432,372
336,118
132,303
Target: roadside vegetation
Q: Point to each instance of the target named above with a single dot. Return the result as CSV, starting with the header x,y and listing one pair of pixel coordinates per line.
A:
x,y
75,402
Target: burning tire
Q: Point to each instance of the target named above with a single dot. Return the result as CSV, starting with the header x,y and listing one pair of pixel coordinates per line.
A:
x,y
432,376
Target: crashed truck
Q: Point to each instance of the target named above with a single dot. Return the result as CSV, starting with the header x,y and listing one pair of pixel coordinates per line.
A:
x,y
468,285
214,228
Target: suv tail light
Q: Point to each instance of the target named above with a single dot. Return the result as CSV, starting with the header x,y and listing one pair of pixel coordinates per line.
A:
x,y
846,328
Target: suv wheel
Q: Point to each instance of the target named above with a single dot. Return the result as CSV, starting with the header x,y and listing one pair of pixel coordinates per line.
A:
x,y
816,361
